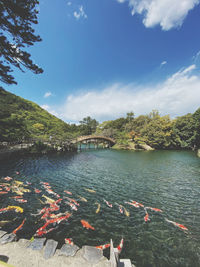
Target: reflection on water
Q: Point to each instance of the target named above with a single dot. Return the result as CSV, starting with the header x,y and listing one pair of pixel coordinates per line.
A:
x,y
168,180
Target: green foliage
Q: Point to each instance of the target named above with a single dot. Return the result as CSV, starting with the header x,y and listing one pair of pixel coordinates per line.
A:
x,y
16,33
88,126
21,119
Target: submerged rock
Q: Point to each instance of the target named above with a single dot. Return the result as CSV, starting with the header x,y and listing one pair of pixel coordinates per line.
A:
x,y
92,254
68,250
7,238
37,243
49,249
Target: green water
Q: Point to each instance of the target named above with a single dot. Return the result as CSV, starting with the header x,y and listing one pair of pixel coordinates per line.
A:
x,y
168,180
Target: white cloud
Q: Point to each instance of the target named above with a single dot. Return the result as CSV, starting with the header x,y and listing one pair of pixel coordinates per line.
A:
x,y
166,13
50,110
47,94
177,95
69,3
196,57
80,13
163,63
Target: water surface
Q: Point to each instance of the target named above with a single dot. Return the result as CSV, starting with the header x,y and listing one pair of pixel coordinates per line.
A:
x,y
168,180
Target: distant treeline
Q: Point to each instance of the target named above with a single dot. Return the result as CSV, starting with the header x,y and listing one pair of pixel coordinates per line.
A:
x,y
159,132
21,119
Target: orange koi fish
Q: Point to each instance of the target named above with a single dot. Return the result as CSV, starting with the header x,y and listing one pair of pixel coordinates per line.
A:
x,y
146,217
102,247
87,225
7,178
3,192
15,197
108,204
177,224
37,191
119,248
67,192
19,227
69,241
155,209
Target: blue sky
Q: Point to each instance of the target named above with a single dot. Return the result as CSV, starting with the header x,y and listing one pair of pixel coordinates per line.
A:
x,y
104,58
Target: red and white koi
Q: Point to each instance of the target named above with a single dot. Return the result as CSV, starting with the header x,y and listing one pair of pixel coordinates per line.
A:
x,y
102,247
181,226
69,241
19,227
16,197
108,204
3,192
72,200
73,207
155,209
119,248
132,204
137,203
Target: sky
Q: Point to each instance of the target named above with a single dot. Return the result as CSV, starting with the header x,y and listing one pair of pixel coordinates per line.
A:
x,y
104,58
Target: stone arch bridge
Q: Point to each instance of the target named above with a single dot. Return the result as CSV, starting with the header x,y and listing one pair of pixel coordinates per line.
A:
x,y
94,139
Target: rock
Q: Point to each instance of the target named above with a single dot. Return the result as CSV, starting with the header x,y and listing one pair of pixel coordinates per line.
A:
x,y
7,238
92,254
50,248
37,243
198,153
23,243
2,233
68,250
145,147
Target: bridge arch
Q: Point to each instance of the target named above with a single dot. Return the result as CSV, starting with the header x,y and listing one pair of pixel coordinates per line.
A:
x,y
93,139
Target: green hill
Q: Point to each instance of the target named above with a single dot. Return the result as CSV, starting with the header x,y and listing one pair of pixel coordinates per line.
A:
x,y
22,119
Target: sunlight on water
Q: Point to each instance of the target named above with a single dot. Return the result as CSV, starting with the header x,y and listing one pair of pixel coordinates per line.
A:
x,y
168,180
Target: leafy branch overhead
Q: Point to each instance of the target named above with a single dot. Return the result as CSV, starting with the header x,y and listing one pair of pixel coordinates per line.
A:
x,y
16,20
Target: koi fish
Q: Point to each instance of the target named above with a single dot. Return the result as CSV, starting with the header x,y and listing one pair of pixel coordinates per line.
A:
x,y
19,227
17,172
146,217
108,204
37,191
98,207
132,204
15,197
20,200
49,200
82,199
67,192
90,190
102,247
7,178
44,232
18,182
7,188
69,241
45,183
120,208
155,209
72,200
177,224
137,203
87,225
16,208
28,183
3,192
73,207
120,246
126,212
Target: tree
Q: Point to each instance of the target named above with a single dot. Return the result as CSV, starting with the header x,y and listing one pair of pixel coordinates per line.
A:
x,y
88,125
16,19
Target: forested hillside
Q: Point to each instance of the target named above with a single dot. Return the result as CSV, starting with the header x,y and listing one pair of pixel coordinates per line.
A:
x,y
21,119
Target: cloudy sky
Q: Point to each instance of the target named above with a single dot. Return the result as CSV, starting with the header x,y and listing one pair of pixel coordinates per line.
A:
x,y
104,58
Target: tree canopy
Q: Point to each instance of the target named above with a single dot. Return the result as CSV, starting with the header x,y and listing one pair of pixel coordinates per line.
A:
x,y
17,33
